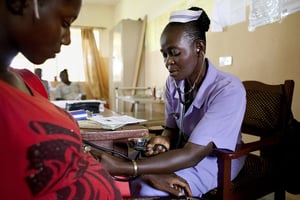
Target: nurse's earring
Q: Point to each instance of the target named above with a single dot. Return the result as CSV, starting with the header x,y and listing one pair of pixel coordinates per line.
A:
x,y
202,52
198,52
36,9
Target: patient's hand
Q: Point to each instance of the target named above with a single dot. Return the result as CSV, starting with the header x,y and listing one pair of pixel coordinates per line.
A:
x,y
170,183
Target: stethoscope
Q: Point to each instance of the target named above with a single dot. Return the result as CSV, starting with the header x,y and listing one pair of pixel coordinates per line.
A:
x,y
186,102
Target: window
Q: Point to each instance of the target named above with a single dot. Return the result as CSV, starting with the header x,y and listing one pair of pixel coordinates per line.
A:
x,y
69,58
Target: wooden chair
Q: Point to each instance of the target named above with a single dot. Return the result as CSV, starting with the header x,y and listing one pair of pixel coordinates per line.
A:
x,y
267,115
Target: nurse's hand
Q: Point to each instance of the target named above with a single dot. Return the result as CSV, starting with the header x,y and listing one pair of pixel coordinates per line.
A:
x,y
170,183
157,145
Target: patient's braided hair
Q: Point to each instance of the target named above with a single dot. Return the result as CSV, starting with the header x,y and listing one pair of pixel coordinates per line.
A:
x,y
16,7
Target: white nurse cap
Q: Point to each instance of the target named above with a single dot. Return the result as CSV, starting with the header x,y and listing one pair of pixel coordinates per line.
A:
x,y
184,16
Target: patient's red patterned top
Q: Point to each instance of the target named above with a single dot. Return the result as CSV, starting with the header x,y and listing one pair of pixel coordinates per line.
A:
x,y
41,152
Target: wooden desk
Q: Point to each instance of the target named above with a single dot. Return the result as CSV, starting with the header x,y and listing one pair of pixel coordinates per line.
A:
x,y
125,132
153,119
114,139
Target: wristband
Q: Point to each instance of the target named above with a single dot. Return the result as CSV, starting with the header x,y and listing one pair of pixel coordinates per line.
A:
x,y
135,168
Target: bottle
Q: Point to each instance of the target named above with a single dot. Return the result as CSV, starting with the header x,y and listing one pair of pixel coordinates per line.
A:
x,y
101,107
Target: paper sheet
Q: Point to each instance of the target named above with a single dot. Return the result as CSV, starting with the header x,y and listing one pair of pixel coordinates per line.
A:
x,y
115,122
263,12
227,13
122,119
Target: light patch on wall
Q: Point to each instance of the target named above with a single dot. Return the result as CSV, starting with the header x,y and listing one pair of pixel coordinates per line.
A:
x,y
225,61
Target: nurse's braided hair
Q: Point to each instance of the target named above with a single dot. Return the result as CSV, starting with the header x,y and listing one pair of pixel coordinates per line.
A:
x,y
197,29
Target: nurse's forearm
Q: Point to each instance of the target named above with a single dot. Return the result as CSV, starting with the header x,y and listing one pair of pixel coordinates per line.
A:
x,y
174,160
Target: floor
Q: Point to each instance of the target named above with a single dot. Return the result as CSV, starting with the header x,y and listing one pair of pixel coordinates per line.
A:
x,y
288,197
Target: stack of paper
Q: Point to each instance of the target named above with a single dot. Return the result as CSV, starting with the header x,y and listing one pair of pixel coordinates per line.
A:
x,y
114,122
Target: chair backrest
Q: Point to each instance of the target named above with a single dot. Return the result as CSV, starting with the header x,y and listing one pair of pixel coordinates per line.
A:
x,y
268,111
268,107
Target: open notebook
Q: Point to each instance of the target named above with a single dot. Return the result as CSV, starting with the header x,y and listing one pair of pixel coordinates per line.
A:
x,y
110,123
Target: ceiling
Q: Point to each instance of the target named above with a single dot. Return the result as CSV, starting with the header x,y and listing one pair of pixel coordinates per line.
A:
x,y
103,2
